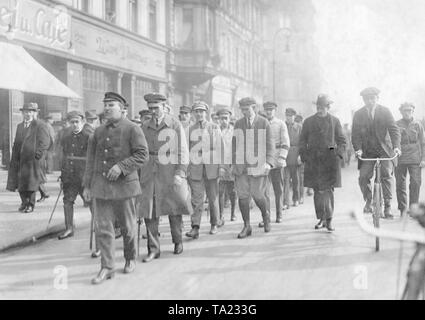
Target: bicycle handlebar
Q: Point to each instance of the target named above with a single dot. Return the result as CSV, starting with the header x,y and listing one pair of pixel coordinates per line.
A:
x,y
390,234
378,159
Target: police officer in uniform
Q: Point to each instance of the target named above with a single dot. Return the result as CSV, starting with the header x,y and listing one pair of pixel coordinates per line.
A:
x,y
116,151
412,157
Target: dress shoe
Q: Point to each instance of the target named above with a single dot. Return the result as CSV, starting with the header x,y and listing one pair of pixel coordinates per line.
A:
x,y
194,233
178,248
95,254
104,274
221,223
261,224
233,218
296,204
43,198
279,219
329,226
67,234
320,225
29,209
246,232
267,227
151,256
130,266
214,230
301,201
368,207
387,213
22,208
285,207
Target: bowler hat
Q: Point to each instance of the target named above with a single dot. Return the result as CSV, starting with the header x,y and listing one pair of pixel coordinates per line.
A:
x,y
407,105
371,91
185,109
290,112
113,96
91,114
269,105
74,114
31,106
154,97
247,102
323,100
200,105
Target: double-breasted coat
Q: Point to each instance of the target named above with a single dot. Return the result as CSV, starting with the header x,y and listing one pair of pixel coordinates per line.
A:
x,y
322,144
168,157
28,157
122,143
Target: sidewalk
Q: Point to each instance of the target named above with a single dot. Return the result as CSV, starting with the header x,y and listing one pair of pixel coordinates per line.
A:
x,y
19,229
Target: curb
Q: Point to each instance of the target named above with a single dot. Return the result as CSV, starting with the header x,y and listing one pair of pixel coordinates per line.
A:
x,y
53,230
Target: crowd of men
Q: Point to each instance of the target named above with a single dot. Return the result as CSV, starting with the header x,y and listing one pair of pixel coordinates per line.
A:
x,y
128,171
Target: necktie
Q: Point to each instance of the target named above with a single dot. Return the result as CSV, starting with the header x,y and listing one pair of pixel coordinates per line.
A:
x,y
27,124
249,123
157,123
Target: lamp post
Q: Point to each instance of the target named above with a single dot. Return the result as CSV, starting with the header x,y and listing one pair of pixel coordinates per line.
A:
x,y
287,33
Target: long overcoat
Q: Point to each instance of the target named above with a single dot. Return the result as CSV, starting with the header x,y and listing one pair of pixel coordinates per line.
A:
x,y
168,157
28,157
322,145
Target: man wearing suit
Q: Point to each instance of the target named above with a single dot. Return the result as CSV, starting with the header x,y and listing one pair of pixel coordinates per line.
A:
x,y
375,135
203,171
26,173
116,151
253,153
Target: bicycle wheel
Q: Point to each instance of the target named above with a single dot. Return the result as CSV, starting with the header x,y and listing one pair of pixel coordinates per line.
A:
x,y
377,205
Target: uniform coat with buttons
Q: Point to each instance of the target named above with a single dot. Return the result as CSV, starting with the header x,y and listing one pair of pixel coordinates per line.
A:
x,y
157,178
123,144
74,148
28,157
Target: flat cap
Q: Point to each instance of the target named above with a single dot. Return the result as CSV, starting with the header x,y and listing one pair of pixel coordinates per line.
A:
x,y
323,100
247,102
371,91
270,105
31,106
262,114
145,112
290,112
91,114
299,118
74,114
200,105
407,105
224,111
185,109
113,96
155,97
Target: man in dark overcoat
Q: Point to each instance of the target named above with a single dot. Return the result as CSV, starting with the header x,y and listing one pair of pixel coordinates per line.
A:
x,y
32,141
375,134
322,144
116,151
163,178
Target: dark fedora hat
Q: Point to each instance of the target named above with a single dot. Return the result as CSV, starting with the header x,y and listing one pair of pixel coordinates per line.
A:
x,y
31,106
323,100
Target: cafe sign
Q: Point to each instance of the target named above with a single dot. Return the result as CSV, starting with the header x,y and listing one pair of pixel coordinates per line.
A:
x,y
102,46
30,21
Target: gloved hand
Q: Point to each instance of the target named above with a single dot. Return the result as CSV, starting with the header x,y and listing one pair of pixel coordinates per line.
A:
x,y
397,151
359,153
281,162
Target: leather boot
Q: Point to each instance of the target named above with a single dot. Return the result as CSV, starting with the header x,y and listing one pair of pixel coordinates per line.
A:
x,y
387,210
329,226
266,221
194,233
69,222
368,207
244,206
104,274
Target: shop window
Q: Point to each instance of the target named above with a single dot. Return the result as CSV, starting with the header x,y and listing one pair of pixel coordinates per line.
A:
x,y
97,80
153,20
133,14
111,11
85,6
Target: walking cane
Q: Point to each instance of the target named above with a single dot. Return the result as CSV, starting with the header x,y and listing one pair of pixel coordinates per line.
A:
x,y
54,208
139,223
92,223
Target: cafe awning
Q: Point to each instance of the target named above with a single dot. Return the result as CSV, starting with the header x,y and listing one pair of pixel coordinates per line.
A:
x,y
20,71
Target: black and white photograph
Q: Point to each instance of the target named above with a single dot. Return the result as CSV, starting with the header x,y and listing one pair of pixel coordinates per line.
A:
x,y
226,151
